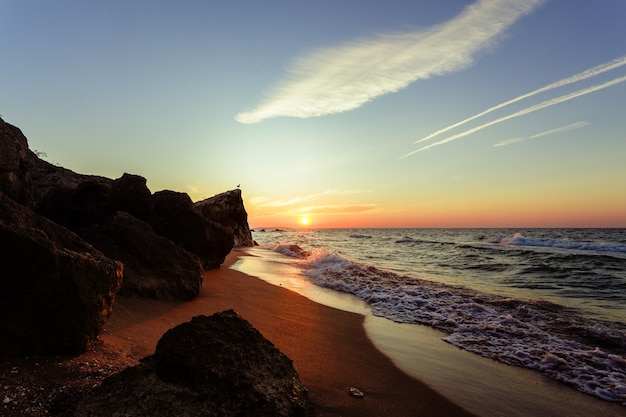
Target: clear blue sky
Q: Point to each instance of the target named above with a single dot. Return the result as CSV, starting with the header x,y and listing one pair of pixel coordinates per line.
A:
x,y
315,107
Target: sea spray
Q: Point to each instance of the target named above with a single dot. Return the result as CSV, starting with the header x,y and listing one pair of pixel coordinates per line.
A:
x,y
560,342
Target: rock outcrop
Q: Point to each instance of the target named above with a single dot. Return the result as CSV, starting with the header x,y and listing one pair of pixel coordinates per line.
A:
x,y
228,209
56,288
174,215
56,291
83,206
154,266
15,164
171,214
211,366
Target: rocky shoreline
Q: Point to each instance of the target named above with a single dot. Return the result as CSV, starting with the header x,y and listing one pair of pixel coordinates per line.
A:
x,y
217,365
70,244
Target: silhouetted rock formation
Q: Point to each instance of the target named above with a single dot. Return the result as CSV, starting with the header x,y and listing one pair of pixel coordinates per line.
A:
x,y
153,265
211,366
56,291
174,215
47,177
49,275
79,201
171,214
83,206
227,209
15,164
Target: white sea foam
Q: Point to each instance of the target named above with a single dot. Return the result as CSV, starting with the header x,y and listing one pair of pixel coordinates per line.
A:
x,y
587,354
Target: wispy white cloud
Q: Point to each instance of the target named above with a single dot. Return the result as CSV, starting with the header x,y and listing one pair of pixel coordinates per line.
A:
x,y
554,131
334,80
561,129
506,142
527,110
592,72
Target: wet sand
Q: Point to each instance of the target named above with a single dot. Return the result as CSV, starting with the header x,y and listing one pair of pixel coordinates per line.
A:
x,y
480,385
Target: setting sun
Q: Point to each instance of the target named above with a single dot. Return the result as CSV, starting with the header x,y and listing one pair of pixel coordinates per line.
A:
x,y
304,221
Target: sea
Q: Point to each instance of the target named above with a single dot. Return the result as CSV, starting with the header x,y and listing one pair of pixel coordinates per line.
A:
x,y
549,300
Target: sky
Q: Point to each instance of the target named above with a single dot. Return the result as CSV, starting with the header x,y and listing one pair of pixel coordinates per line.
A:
x,y
456,113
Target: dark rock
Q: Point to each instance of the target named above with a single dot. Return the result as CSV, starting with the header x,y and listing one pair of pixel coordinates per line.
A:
x,y
84,202
130,193
47,177
174,216
77,201
212,366
56,291
153,265
228,209
15,164
85,205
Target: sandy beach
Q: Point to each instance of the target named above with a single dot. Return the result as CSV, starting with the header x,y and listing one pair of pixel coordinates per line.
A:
x,y
329,347
332,350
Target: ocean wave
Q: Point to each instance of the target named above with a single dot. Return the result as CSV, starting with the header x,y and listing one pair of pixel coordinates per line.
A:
x,y
359,236
519,240
585,353
288,249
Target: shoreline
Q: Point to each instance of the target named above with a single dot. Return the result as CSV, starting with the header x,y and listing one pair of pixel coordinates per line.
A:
x,y
403,370
329,347
479,385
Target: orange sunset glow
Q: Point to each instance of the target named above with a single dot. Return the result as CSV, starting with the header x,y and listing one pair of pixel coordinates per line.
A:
x,y
424,114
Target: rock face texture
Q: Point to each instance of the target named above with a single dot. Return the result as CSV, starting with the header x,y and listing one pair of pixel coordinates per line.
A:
x,y
211,366
15,164
171,214
56,291
153,265
174,215
228,209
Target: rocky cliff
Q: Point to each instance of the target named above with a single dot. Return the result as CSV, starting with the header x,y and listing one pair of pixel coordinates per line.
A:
x,y
16,164
69,241
56,291
227,209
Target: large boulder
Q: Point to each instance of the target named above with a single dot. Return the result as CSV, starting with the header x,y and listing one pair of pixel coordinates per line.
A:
x,y
84,202
47,177
87,205
130,193
174,216
77,201
82,206
15,164
228,209
153,265
56,291
211,366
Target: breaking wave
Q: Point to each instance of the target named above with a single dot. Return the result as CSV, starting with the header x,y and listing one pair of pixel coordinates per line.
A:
x,y
586,353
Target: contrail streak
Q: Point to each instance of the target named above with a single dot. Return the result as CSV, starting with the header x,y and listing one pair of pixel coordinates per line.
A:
x,y
592,72
569,127
523,112
561,129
